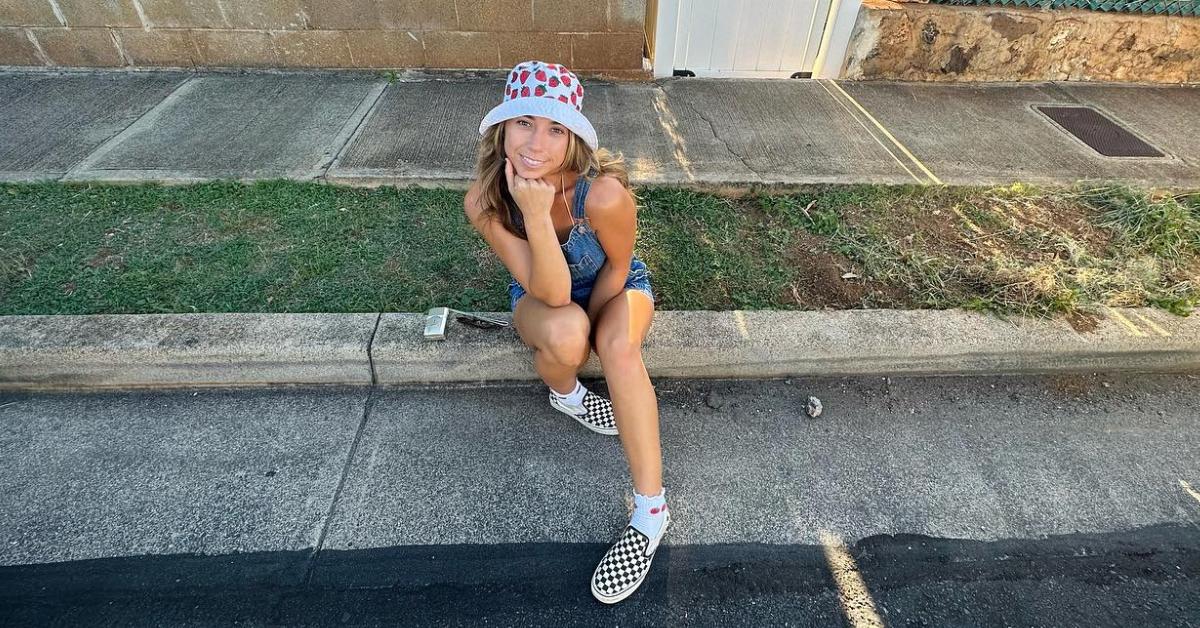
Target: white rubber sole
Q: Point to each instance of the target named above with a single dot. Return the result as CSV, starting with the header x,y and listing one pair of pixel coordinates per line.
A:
x,y
638,584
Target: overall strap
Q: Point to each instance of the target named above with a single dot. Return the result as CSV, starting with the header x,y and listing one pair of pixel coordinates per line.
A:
x,y
582,185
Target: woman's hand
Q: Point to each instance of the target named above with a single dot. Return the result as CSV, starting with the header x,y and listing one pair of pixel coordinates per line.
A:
x,y
534,197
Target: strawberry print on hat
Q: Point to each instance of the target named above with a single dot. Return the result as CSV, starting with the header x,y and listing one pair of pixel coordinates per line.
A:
x,y
549,80
546,90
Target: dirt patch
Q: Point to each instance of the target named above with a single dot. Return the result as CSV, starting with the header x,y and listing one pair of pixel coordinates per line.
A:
x,y
935,229
1001,249
23,265
1072,385
973,228
106,258
1072,219
820,281
1083,321
1012,27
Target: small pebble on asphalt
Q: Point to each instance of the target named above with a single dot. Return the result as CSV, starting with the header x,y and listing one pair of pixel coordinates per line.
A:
x,y
814,407
714,400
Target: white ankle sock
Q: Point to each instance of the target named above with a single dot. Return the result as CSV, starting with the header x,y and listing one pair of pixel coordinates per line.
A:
x,y
575,397
649,513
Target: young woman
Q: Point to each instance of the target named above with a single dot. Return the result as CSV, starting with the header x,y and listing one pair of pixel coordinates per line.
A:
x,y
558,212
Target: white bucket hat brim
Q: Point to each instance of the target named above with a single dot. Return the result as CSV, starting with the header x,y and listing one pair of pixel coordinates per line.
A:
x,y
551,108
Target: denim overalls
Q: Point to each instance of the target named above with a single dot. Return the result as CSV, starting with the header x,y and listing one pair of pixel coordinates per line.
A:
x,y
585,256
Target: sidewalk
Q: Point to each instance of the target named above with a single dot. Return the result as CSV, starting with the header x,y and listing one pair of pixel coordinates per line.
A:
x,y
357,129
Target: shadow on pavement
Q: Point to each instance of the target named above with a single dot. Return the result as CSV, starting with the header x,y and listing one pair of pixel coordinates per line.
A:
x,y
1149,575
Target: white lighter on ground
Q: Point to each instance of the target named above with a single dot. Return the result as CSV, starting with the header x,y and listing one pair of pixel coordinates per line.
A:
x,y
437,318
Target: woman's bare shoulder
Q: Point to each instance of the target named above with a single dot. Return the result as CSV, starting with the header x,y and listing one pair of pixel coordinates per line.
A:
x,y
471,203
607,195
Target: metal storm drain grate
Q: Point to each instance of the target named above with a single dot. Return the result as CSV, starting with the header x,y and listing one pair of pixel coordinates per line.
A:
x,y
1096,130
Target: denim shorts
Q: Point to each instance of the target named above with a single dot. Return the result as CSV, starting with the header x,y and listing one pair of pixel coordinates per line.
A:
x,y
638,279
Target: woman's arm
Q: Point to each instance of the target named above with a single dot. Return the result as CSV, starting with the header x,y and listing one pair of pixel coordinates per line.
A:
x,y
549,277
518,256
613,215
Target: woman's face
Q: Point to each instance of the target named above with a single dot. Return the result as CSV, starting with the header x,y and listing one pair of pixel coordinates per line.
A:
x,y
536,146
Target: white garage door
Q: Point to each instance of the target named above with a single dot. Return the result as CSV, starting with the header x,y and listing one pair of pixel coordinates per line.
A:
x,y
746,38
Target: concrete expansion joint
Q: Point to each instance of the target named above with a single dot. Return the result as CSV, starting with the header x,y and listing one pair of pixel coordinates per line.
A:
x,y
351,130
311,561
370,356
146,120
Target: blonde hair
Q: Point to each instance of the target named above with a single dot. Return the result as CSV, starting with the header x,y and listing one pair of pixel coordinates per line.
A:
x,y
498,204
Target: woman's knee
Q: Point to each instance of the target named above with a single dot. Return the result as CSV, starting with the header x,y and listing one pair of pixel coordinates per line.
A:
x,y
617,348
565,337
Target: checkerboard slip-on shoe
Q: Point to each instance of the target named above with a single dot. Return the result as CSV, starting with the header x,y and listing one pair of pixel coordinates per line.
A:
x,y
595,413
626,564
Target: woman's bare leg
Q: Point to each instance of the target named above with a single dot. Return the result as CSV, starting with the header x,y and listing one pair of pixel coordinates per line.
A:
x,y
558,337
621,327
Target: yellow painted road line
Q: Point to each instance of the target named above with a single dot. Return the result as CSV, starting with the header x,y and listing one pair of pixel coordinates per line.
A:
x,y
1189,490
740,319
872,135
1153,325
857,604
1133,329
903,149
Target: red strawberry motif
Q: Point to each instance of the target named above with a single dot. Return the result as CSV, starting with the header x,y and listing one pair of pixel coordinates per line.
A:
x,y
524,76
513,78
579,89
524,91
539,90
540,75
566,78
572,98
562,98
553,81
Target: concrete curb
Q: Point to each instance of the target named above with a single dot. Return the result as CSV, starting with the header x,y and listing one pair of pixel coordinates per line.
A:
x,y
153,350
167,350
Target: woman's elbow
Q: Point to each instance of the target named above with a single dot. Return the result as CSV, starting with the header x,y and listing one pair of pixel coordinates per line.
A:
x,y
558,301
555,299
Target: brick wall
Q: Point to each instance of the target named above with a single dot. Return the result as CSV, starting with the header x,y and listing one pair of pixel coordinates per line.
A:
x,y
591,36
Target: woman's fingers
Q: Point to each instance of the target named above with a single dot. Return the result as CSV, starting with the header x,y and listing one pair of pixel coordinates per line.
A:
x,y
516,183
535,195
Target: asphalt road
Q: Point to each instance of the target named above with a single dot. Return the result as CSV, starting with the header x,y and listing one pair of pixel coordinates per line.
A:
x,y
910,502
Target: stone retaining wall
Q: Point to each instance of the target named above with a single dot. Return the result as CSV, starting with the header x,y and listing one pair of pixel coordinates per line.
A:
x,y
927,42
595,36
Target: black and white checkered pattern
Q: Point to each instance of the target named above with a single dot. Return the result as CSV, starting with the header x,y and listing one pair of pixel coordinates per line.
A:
x,y
623,567
600,411
598,415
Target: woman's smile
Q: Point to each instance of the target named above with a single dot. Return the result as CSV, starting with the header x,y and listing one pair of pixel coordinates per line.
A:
x,y
533,163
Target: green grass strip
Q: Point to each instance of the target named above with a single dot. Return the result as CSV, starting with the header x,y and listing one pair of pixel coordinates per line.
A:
x,y
284,246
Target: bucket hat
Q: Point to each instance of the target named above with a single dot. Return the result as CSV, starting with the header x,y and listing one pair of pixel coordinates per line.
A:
x,y
548,90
